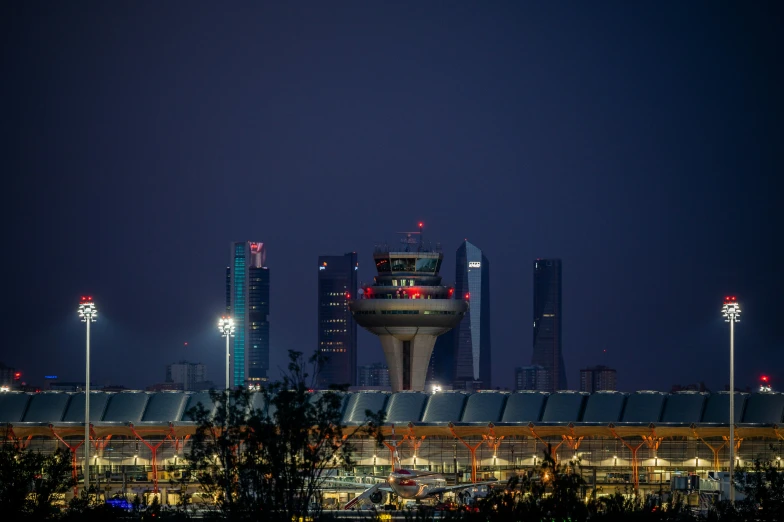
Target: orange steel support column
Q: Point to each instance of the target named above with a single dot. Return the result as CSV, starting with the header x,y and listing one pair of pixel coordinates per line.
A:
x,y
154,460
714,450
635,464
492,440
73,450
572,441
553,449
10,435
179,443
738,440
392,449
652,441
413,441
99,443
472,449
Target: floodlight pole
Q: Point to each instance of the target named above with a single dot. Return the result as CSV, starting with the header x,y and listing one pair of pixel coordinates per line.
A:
x,y
226,327
87,313
732,411
87,414
731,313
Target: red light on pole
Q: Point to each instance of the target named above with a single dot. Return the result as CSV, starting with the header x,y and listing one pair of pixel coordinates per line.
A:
x,y
420,224
764,378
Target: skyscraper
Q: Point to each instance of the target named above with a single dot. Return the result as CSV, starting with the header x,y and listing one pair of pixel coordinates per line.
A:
x,y
547,350
597,378
472,351
190,375
247,302
374,375
337,331
461,357
532,378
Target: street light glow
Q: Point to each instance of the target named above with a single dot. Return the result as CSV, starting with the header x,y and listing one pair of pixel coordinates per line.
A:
x,y
226,326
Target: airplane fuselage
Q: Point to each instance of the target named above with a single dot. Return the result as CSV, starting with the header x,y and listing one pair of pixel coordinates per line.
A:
x,y
407,484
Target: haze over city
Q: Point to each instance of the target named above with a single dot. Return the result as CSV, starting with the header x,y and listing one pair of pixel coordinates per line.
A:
x,y
636,143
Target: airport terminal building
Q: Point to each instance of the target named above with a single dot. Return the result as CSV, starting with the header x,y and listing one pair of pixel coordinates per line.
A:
x,y
622,440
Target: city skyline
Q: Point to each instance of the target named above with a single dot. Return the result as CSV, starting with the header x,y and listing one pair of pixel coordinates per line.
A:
x,y
640,147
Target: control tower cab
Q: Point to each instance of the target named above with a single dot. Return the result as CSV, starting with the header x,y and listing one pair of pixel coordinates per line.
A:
x,y
407,308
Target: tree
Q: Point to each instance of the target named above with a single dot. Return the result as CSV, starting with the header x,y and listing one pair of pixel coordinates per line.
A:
x,y
268,462
30,482
763,485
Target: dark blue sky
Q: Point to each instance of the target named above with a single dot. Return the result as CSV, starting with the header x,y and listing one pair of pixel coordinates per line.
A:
x,y
640,142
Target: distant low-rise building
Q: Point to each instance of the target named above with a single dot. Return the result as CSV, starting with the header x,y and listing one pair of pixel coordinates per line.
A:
x,y
68,386
700,387
533,377
8,376
598,378
186,373
374,375
114,388
165,386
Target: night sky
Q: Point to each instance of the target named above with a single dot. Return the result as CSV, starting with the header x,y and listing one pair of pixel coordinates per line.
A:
x,y
640,142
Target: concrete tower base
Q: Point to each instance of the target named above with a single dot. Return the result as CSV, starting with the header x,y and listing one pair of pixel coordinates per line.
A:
x,y
408,360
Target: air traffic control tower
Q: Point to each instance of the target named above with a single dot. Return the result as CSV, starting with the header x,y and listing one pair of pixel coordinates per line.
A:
x,y
407,308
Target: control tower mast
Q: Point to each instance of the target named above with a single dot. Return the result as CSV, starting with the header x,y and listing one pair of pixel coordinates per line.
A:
x,y
407,307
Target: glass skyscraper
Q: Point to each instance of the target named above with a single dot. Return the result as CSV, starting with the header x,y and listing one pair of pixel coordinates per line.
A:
x,y
547,349
462,357
337,331
247,302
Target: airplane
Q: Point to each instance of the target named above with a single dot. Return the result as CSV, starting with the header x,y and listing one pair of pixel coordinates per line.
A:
x,y
411,484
